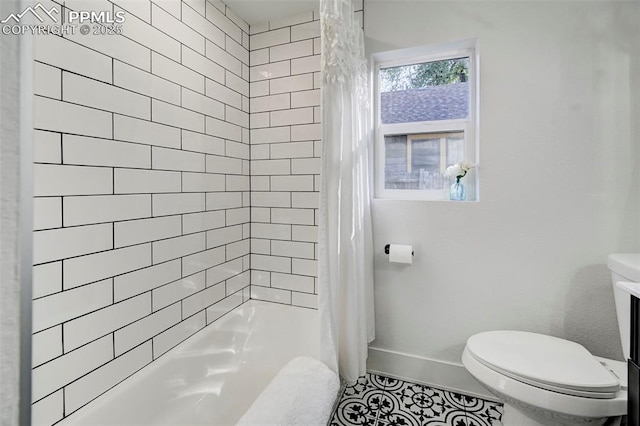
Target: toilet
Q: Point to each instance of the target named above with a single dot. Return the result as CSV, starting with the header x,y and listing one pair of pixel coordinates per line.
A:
x,y
544,380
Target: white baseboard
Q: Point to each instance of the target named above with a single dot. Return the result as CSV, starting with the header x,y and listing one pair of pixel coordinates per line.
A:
x,y
438,374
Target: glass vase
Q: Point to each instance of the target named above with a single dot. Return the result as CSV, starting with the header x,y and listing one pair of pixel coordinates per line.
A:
x,y
458,191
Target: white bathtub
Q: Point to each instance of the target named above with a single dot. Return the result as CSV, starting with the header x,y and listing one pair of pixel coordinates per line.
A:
x,y
214,376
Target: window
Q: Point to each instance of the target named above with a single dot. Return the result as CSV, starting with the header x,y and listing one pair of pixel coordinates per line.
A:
x,y
425,120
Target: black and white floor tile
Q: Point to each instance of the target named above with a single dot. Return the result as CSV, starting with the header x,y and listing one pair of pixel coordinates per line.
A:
x,y
376,400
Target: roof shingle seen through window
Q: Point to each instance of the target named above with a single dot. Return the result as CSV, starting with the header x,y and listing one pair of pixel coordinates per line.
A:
x,y
432,103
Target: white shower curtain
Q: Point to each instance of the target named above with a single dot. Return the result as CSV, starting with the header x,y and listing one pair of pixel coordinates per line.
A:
x,y
345,242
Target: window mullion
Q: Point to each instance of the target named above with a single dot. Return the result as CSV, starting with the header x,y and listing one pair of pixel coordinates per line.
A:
x,y
409,153
443,154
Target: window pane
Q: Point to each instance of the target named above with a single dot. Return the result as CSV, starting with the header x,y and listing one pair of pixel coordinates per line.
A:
x,y
418,161
425,154
455,149
429,91
395,164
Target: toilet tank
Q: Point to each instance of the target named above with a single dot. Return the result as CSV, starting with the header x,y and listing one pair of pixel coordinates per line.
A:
x,y
624,267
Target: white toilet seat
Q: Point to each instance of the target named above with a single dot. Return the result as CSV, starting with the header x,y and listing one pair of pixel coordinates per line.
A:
x,y
544,361
539,393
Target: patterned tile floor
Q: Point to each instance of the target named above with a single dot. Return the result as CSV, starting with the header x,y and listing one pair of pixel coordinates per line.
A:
x,y
382,401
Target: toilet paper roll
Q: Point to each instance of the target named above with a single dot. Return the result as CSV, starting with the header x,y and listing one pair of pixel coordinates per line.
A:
x,y
400,253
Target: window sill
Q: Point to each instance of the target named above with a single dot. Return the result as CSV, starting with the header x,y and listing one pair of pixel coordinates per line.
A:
x,y
419,195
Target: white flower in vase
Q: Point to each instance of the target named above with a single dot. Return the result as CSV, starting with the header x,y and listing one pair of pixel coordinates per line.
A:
x,y
459,170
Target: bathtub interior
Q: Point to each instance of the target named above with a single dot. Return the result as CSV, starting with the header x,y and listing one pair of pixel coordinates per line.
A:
x,y
213,377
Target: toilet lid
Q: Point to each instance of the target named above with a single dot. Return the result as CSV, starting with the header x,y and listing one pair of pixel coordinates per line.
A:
x,y
544,361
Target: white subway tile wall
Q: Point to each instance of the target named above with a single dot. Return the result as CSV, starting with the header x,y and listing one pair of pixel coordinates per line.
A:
x,y
284,131
176,176
141,213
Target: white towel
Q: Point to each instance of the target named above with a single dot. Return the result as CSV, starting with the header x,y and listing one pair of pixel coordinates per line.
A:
x,y
302,393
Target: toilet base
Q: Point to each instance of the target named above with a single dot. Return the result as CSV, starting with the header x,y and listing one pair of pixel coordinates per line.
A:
x,y
515,416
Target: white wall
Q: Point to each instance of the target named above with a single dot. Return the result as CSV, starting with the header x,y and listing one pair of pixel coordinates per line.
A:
x,y
10,272
559,182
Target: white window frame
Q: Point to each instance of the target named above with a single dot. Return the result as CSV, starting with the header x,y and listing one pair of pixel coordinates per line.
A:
x,y
417,55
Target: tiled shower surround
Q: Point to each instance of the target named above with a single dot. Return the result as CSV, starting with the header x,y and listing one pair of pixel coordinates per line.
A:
x,y
285,158
160,202
141,192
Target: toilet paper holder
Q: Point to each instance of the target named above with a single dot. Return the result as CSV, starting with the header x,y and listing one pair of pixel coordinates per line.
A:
x,y
386,250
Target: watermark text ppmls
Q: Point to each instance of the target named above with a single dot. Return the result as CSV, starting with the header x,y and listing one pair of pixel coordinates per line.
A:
x,y
60,20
